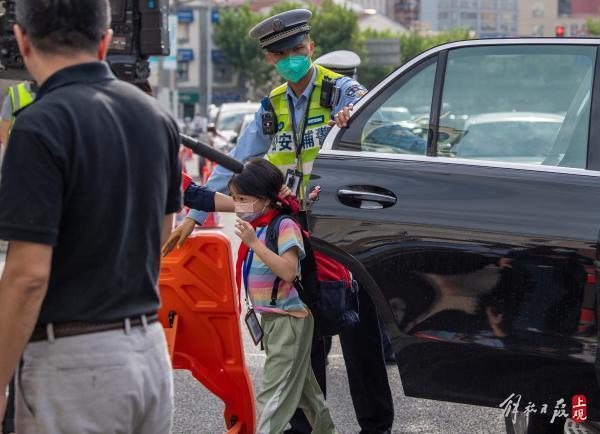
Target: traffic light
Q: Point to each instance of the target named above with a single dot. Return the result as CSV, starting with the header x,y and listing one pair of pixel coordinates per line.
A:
x,y
559,31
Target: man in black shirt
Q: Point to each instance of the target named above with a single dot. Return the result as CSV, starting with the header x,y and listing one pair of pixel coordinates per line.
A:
x,y
89,185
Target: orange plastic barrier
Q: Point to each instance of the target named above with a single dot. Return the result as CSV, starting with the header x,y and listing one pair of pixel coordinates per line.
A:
x,y
202,324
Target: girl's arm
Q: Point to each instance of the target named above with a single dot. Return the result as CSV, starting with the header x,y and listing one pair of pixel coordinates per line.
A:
x,y
285,266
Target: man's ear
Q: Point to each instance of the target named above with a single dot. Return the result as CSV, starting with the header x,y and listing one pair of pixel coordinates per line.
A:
x,y
22,41
311,48
105,44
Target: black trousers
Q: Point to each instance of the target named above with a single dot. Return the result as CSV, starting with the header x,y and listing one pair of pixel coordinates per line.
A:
x,y
367,374
9,417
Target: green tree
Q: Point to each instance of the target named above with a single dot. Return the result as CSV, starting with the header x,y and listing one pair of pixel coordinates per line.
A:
x,y
230,35
333,27
368,75
412,44
593,26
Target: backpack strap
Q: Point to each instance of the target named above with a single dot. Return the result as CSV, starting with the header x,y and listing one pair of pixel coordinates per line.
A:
x,y
274,291
271,241
273,232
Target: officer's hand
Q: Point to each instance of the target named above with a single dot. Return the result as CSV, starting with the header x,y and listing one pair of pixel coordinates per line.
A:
x,y
246,232
178,236
341,118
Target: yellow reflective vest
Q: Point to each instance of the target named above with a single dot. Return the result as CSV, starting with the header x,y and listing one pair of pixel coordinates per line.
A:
x,y
282,152
20,96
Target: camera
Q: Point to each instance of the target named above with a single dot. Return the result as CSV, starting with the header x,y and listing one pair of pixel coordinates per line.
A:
x,y
140,30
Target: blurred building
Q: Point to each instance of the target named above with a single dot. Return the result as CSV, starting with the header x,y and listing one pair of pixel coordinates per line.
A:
x,y
380,6
379,22
196,75
542,17
487,18
405,12
583,7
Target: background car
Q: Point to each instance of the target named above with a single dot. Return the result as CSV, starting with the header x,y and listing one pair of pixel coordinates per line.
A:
x,y
477,238
248,118
514,137
222,133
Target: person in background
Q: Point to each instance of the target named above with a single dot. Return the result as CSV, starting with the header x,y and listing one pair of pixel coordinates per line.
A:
x,y
18,97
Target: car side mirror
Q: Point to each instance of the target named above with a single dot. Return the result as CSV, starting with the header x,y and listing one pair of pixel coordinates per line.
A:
x,y
234,139
211,128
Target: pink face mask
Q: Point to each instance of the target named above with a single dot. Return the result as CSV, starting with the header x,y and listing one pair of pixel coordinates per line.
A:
x,y
245,211
244,207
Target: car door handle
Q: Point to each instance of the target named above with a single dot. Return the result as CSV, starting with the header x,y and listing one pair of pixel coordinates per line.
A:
x,y
365,199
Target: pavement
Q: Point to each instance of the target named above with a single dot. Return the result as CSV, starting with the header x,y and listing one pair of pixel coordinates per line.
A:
x,y
198,411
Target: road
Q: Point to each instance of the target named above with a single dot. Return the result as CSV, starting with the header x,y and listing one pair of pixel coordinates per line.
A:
x,y
198,411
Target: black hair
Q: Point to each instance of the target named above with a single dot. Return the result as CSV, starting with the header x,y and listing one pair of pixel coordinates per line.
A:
x,y
144,86
260,179
64,26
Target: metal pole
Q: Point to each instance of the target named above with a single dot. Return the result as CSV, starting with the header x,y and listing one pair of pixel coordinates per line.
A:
x,y
172,84
209,65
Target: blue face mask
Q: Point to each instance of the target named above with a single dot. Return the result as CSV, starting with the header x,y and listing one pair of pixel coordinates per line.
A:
x,y
293,68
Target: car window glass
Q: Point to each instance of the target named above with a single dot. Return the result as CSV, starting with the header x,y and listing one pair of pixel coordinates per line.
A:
x,y
231,120
397,121
517,104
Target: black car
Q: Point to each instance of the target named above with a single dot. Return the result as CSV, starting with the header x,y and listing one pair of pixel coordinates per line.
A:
x,y
477,233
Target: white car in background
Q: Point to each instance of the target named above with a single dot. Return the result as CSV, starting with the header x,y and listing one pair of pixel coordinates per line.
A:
x,y
222,134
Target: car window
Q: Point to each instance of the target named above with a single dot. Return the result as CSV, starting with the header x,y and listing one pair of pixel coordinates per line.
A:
x,y
397,120
231,120
517,104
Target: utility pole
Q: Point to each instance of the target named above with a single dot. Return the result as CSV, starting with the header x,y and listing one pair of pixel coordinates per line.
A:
x,y
206,67
172,86
209,75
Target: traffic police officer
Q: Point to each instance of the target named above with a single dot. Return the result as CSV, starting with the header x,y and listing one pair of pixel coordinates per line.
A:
x,y
19,96
289,129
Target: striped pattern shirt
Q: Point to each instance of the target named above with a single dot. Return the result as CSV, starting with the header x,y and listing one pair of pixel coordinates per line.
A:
x,y
261,278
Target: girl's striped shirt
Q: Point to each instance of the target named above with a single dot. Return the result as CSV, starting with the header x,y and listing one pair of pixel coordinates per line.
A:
x,y
261,278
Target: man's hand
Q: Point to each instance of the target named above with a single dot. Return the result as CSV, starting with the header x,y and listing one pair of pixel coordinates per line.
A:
x,y
341,118
178,236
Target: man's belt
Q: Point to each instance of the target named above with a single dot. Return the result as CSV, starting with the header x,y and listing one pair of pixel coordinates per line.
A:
x,y
63,330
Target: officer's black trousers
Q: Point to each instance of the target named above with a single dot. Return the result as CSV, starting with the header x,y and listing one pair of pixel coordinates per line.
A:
x,y
367,374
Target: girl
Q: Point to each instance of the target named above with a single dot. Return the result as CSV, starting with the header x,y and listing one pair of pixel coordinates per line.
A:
x,y
289,381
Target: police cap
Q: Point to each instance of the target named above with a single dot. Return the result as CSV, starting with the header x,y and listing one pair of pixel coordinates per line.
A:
x,y
342,61
283,31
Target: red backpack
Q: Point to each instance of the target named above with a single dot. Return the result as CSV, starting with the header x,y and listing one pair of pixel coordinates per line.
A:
x,y
325,285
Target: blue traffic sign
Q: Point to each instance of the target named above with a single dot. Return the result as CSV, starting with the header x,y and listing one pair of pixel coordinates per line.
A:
x,y
215,16
185,55
217,56
185,16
